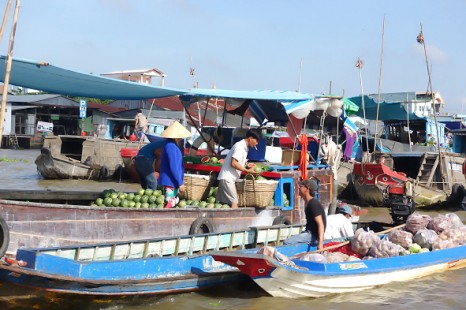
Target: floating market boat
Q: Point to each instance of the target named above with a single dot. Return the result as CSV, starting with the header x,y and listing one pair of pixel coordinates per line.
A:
x,y
301,278
153,266
76,157
432,184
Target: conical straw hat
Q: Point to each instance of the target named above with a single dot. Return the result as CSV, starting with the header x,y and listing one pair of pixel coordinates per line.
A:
x,y
176,131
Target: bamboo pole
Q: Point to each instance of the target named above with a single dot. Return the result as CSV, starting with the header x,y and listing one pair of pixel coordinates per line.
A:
x,y
380,82
5,18
359,65
421,40
8,70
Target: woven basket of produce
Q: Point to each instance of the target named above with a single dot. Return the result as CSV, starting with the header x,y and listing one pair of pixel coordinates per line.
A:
x,y
255,193
197,186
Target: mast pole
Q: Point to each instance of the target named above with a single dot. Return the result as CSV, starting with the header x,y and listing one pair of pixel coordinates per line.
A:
x,y
359,65
8,68
380,82
420,40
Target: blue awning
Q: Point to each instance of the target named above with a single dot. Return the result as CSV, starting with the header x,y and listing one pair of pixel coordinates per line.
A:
x,y
263,104
392,106
45,77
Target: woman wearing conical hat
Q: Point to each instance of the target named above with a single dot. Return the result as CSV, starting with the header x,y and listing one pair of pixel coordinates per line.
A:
x,y
171,167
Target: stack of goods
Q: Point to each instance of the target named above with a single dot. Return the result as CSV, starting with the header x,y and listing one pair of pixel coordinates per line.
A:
x,y
152,199
420,234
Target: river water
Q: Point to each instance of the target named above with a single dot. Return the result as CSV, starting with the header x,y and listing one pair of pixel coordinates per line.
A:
x,y
440,291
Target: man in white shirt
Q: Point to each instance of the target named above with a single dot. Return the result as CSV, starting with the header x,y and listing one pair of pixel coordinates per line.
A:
x,y
339,225
232,167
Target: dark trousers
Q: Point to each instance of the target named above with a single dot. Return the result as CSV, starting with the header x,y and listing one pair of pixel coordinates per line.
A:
x,y
145,172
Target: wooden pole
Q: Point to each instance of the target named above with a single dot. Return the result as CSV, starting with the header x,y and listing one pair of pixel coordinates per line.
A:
x,y
8,70
5,19
359,65
421,40
380,82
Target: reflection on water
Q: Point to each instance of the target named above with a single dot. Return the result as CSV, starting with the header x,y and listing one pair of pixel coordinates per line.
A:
x,y
19,172
440,291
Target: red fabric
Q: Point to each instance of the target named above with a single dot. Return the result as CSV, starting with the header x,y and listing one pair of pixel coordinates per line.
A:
x,y
303,161
345,249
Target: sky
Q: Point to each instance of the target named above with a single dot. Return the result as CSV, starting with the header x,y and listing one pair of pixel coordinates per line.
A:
x,y
306,45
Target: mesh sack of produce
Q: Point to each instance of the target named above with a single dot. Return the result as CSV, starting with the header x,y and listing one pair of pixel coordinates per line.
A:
x,y
401,237
455,220
335,257
425,238
455,235
363,241
440,223
417,221
443,244
385,248
314,257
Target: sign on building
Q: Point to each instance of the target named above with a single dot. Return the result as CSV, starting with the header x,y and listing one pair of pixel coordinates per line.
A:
x,y
44,126
82,108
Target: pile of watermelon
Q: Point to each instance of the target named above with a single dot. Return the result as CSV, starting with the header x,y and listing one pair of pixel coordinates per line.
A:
x,y
212,160
151,199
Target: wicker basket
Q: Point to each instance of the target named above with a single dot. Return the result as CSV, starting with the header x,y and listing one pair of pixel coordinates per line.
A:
x,y
255,193
197,186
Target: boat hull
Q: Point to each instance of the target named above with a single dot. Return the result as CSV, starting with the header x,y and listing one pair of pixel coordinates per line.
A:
x,y
312,279
150,266
35,225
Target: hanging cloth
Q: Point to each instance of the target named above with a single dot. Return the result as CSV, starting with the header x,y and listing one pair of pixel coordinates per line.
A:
x,y
304,160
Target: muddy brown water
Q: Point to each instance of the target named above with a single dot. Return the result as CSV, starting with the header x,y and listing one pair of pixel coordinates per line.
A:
x,y
440,291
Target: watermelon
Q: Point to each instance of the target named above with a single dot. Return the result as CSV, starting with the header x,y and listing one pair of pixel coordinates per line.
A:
x,y
205,159
214,160
250,165
221,161
99,201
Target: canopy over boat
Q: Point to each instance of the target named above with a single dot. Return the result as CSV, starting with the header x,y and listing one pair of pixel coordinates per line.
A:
x,y
393,106
46,77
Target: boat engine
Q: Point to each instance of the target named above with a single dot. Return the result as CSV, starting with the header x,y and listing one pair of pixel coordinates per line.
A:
x,y
399,199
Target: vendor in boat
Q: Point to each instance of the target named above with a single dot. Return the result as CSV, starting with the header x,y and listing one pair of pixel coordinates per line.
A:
x,y
316,220
339,225
140,124
232,167
147,162
171,168
211,138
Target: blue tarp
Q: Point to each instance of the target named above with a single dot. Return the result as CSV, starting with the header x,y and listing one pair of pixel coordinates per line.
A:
x,y
392,106
265,104
48,78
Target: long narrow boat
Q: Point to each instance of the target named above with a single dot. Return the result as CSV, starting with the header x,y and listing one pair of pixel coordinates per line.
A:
x,y
35,224
157,266
311,279
76,157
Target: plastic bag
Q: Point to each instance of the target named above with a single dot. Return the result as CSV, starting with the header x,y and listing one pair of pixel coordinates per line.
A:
x,y
440,223
335,257
401,237
442,244
425,238
417,221
455,235
386,248
314,257
363,241
455,220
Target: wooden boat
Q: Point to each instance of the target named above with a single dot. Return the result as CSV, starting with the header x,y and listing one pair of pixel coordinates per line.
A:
x,y
63,167
312,279
76,157
154,266
35,224
422,170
